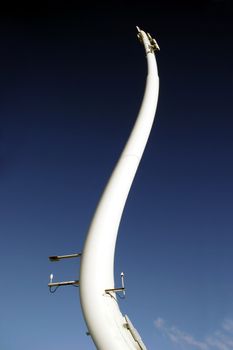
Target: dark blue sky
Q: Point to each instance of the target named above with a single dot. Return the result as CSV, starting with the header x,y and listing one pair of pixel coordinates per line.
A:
x,y
72,80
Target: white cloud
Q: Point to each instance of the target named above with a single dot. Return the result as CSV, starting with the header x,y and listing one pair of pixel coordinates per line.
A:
x,y
159,323
216,343
228,325
222,339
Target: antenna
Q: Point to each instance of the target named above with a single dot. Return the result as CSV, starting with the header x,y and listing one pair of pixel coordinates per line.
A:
x,y
51,278
123,283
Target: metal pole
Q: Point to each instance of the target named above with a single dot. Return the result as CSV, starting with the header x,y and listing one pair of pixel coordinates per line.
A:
x,y
105,323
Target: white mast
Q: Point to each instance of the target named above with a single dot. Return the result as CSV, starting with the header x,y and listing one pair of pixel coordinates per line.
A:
x,y
109,329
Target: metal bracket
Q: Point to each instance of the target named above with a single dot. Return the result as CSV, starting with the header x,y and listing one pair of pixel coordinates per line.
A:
x,y
134,333
53,286
60,257
115,290
153,46
153,43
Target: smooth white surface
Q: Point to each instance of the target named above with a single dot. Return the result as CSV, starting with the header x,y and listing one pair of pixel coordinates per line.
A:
x,y
106,324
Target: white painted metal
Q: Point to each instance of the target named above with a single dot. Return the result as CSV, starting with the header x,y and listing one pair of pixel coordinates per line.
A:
x,y
107,326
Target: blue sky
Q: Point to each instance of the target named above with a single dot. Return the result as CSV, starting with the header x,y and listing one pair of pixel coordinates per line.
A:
x,y
72,80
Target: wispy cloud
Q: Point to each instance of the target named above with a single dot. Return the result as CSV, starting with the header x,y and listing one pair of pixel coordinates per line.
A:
x,y
228,325
221,339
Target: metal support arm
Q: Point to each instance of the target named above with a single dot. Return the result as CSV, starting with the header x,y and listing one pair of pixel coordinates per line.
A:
x,y
68,256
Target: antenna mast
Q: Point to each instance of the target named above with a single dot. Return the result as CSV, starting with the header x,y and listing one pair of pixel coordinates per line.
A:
x,y
109,329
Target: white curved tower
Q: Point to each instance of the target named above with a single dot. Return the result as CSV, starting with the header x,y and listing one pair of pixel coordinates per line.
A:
x,y
109,329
